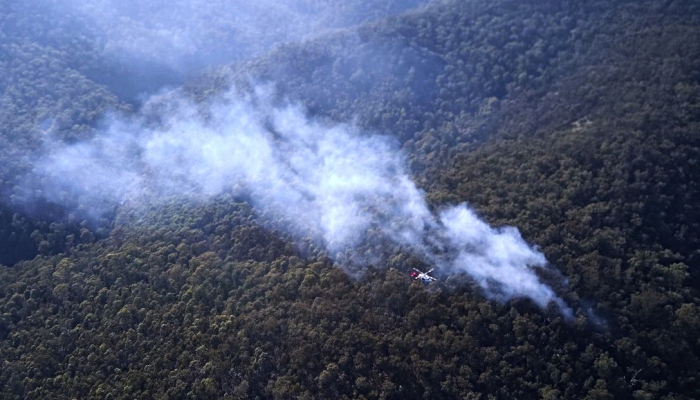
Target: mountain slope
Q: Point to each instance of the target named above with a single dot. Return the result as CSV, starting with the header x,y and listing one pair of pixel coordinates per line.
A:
x,y
574,122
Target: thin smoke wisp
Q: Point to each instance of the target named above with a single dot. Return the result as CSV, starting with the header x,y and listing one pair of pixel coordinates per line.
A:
x,y
329,182
185,34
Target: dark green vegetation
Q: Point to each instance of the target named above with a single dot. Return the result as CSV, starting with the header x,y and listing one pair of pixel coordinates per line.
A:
x,y
577,123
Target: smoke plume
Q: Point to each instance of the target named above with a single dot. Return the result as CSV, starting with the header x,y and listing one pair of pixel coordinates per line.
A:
x,y
329,182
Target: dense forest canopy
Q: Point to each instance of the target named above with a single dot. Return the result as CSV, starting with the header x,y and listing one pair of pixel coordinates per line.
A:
x,y
571,128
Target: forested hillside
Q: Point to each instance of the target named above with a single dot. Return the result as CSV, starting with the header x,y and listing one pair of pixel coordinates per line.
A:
x,y
576,122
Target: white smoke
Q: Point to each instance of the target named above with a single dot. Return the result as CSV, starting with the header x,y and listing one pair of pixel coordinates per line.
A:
x,y
329,182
